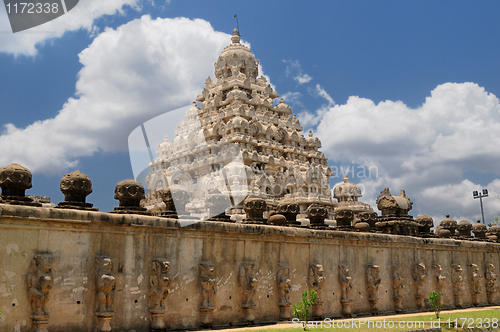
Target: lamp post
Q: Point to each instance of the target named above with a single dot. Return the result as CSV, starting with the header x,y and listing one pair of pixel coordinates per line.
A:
x,y
480,195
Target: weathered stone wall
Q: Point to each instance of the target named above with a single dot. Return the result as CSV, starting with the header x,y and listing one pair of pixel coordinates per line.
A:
x,y
74,238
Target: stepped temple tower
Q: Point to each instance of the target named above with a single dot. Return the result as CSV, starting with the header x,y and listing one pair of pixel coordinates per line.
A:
x,y
241,144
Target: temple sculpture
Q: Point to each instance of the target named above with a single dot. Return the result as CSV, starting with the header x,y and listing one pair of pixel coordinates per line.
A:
x,y
241,143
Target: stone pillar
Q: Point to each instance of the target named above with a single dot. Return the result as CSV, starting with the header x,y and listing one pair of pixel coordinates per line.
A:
x,y
316,281
284,287
373,282
39,281
397,282
159,282
420,276
345,282
248,283
207,280
491,278
106,285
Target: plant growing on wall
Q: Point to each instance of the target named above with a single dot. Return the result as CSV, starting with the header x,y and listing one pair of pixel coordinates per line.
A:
x,y
301,309
434,298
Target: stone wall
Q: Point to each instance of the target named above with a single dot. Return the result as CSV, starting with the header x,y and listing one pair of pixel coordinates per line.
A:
x,y
81,244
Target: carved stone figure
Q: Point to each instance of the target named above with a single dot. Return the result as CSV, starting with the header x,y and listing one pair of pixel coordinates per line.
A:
x,y
289,209
207,279
457,280
464,229
254,208
440,281
475,279
217,204
420,276
479,230
346,286
491,278
344,217
159,282
373,282
316,281
395,218
447,227
14,181
106,285
248,282
284,287
129,193
39,281
317,215
76,186
397,283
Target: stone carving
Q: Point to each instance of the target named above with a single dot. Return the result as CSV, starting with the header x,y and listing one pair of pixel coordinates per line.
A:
x,y
159,282
347,195
317,215
426,223
397,283
237,121
207,279
491,278
284,287
420,276
395,218
365,221
316,281
346,286
129,193
457,280
39,282
106,285
175,198
475,278
479,230
440,281
493,233
373,282
276,219
14,181
464,229
248,282
217,204
254,208
289,209
344,217
447,227
75,186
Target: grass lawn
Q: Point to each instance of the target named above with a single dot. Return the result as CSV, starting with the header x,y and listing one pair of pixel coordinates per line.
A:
x,y
464,321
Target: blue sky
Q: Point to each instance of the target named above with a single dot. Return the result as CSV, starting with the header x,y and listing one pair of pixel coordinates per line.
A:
x,y
408,87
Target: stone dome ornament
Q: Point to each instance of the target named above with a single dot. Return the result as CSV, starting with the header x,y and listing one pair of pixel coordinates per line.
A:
x,y
129,193
76,186
14,181
347,191
426,223
447,227
464,228
479,230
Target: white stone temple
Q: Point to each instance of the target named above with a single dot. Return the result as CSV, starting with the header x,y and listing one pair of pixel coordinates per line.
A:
x,y
240,143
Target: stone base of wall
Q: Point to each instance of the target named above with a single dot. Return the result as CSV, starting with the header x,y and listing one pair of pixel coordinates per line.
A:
x,y
84,271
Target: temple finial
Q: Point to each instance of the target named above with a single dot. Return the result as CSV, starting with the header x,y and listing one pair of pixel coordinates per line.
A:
x,y
236,36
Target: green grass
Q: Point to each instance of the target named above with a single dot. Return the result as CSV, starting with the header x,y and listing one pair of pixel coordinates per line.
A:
x,y
467,319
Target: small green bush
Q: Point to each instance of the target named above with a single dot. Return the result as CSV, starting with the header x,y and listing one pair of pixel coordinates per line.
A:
x,y
434,299
301,309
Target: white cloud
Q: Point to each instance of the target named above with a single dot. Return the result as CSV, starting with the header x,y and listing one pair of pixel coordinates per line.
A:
x,y
294,69
140,70
425,151
80,17
292,97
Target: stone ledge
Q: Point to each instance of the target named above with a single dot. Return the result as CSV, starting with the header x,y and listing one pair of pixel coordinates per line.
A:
x,y
91,217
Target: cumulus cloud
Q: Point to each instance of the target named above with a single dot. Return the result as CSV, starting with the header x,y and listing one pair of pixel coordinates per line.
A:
x,y
426,150
294,69
130,75
80,17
